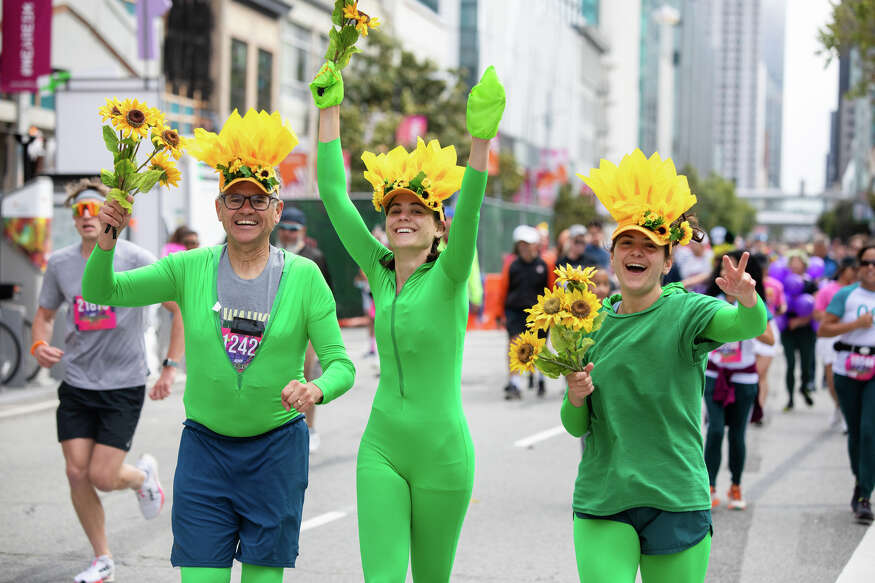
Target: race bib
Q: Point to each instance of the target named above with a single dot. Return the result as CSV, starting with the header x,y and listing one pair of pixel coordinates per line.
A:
x,y
860,367
242,338
88,316
729,352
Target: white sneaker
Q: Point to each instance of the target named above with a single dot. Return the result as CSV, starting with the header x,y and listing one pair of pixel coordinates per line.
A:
x,y
836,418
102,570
150,495
315,440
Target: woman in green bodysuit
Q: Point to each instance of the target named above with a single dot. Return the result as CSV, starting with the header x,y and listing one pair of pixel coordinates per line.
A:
x,y
415,467
641,497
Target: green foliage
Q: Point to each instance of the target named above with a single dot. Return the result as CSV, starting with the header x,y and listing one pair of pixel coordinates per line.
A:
x,y
841,222
110,139
852,27
120,197
149,178
571,208
108,178
510,175
388,83
718,204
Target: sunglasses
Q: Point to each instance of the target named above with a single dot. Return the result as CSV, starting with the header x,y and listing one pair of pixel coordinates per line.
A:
x,y
92,206
259,202
865,263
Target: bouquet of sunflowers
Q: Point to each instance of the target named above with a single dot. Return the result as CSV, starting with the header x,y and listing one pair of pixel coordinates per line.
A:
x,y
131,122
349,22
570,312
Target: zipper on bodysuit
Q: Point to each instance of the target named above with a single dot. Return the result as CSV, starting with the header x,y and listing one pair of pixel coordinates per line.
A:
x,y
395,347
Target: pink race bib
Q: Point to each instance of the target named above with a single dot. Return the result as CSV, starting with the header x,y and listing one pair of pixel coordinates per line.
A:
x,y
240,348
88,316
860,366
729,352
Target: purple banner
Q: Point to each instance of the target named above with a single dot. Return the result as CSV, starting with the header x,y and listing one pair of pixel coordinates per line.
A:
x,y
147,12
27,44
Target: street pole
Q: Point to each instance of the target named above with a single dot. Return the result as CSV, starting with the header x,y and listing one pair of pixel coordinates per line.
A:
x,y
21,124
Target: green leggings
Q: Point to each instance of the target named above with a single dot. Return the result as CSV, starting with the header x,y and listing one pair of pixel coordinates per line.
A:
x,y
251,574
609,552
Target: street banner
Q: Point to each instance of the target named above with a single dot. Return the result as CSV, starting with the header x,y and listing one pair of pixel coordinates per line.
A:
x,y
27,44
410,128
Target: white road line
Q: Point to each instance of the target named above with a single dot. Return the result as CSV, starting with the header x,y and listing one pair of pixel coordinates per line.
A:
x,y
322,519
533,439
861,565
24,409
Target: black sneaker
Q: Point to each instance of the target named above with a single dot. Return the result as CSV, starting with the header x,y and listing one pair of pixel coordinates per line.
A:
x,y
531,382
542,390
511,393
855,499
806,394
864,511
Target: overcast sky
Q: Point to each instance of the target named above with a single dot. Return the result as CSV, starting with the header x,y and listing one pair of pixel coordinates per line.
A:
x,y
810,94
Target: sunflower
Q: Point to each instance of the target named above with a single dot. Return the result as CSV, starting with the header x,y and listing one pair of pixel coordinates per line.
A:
x,y
687,231
351,11
111,110
580,310
568,273
265,173
136,118
169,139
171,174
524,349
548,310
365,22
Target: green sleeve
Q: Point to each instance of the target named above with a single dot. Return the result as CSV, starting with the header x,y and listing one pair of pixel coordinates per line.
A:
x,y
143,286
338,371
574,419
734,323
457,257
331,177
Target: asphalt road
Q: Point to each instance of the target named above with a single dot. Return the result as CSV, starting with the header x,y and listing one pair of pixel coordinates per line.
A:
x,y
798,526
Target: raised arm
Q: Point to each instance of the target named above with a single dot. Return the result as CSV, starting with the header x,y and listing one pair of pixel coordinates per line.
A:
x,y
749,319
485,107
327,90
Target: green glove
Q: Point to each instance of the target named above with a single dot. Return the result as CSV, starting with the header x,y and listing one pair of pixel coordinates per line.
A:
x,y
485,106
327,86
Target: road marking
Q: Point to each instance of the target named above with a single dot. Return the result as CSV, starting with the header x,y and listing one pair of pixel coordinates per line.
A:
x,y
861,565
321,520
533,439
24,409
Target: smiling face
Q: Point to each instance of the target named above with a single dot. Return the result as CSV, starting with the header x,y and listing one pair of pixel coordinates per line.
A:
x,y
246,225
866,272
87,224
639,263
410,225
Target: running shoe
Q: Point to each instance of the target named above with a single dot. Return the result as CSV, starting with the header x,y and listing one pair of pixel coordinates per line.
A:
x,y
855,498
150,495
102,570
836,419
315,441
806,394
864,511
715,501
542,390
736,502
511,393
788,407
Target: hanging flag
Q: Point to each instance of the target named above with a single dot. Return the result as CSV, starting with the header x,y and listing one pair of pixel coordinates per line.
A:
x,y
27,44
147,12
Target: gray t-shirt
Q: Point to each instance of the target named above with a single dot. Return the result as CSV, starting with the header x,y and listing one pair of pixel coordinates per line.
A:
x,y
104,347
244,306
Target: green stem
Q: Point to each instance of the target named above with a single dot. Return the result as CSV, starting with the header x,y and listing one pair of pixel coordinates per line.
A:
x,y
158,149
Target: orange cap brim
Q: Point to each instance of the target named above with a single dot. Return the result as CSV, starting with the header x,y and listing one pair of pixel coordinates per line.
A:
x,y
223,187
387,199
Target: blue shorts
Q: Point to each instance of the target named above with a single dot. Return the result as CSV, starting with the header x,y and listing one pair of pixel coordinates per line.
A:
x,y
239,497
661,532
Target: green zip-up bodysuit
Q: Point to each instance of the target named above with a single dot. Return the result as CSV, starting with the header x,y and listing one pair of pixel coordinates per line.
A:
x,y
415,468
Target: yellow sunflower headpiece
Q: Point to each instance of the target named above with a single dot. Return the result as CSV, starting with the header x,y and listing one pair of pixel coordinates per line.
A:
x,y
645,195
429,173
248,148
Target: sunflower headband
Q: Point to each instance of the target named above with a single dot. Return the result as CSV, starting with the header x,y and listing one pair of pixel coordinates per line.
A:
x,y
645,195
429,173
248,148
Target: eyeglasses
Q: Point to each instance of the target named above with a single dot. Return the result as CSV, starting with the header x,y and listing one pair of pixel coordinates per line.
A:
x,y
259,202
864,263
92,206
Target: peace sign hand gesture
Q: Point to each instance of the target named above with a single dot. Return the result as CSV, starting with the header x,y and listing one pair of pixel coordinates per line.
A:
x,y
735,281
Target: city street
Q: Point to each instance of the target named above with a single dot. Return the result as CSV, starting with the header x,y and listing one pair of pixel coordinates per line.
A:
x,y
798,526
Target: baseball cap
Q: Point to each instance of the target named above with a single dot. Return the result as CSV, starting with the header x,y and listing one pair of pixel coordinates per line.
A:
x,y
293,215
576,231
526,234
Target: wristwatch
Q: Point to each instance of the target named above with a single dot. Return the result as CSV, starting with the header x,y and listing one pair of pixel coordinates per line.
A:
x,y
167,362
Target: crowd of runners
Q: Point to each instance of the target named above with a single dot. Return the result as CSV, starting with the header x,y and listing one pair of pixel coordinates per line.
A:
x,y
255,324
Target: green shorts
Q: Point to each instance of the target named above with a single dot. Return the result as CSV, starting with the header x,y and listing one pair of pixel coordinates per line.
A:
x,y
662,532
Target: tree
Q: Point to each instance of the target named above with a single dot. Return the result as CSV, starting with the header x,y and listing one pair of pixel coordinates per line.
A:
x,y
852,27
571,209
718,204
840,221
510,176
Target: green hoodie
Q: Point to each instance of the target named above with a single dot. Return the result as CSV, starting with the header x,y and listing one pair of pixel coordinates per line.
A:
x,y
216,395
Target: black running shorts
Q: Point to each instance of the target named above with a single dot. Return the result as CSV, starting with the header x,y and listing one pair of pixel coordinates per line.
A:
x,y
108,417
